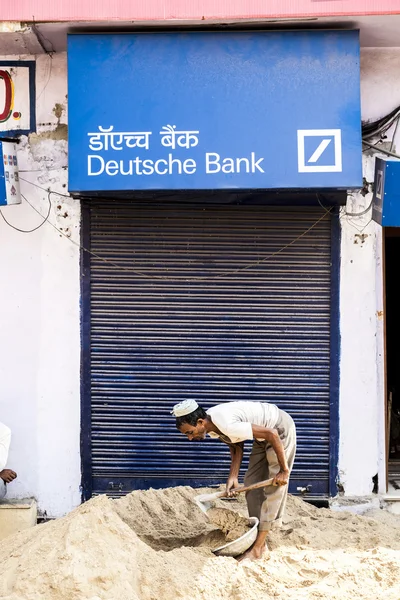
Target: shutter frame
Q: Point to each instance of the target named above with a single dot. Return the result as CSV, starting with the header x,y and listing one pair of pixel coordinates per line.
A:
x,y
114,438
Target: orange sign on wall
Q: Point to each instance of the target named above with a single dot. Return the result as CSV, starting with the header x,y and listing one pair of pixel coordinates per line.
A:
x,y
17,98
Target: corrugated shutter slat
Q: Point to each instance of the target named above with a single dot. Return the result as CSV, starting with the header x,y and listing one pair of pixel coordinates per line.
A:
x,y
159,336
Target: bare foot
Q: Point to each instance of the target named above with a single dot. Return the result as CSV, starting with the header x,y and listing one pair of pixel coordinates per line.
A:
x,y
255,553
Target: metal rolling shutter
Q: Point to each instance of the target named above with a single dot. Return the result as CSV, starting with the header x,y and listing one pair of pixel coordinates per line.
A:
x,y
157,336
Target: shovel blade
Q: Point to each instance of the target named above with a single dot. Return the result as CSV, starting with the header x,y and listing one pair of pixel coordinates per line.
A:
x,y
205,501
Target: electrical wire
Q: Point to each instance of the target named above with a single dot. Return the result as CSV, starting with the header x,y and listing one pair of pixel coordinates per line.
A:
x,y
380,126
45,219
360,214
161,277
394,134
40,187
369,130
188,279
321,205
388,152
49,76
345,213
327,211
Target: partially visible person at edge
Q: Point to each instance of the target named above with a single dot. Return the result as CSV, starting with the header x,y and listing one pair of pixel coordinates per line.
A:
x,y
274,447
6,475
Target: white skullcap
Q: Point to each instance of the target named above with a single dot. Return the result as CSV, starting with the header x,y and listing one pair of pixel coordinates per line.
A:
x,y
184,408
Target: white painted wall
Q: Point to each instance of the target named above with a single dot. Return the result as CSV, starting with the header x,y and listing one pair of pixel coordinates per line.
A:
x,y
362,408
39,313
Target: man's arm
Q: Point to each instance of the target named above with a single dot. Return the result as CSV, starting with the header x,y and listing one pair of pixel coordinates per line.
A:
x,y
236,451
5,439
272,437
7,475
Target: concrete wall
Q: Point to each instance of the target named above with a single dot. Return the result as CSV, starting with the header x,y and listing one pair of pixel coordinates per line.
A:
x,y
40,312
362,411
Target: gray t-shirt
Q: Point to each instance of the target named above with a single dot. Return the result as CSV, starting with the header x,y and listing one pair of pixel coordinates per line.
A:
x,y
234,419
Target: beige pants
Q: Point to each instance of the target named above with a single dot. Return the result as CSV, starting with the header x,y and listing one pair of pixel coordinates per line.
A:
x,y
268,504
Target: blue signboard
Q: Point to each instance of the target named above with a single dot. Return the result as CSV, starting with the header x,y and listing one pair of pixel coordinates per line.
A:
x,y
205,110
386,199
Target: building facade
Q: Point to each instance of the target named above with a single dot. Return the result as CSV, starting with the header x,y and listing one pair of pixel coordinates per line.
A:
x,y
94,351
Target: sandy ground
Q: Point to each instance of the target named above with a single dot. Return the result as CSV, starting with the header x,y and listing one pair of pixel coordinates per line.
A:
x,y
157,545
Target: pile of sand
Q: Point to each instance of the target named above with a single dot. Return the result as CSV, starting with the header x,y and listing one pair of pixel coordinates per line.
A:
x,y
167,519
230,523
156,545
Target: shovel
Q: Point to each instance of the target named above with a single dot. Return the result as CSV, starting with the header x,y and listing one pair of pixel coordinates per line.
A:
x,y
205,501
241,544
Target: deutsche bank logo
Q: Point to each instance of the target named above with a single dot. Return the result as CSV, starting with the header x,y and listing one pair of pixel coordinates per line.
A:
x,y
319,150
379,184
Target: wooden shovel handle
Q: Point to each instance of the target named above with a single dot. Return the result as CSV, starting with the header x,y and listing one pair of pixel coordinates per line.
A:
x,y
253,486
245,488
